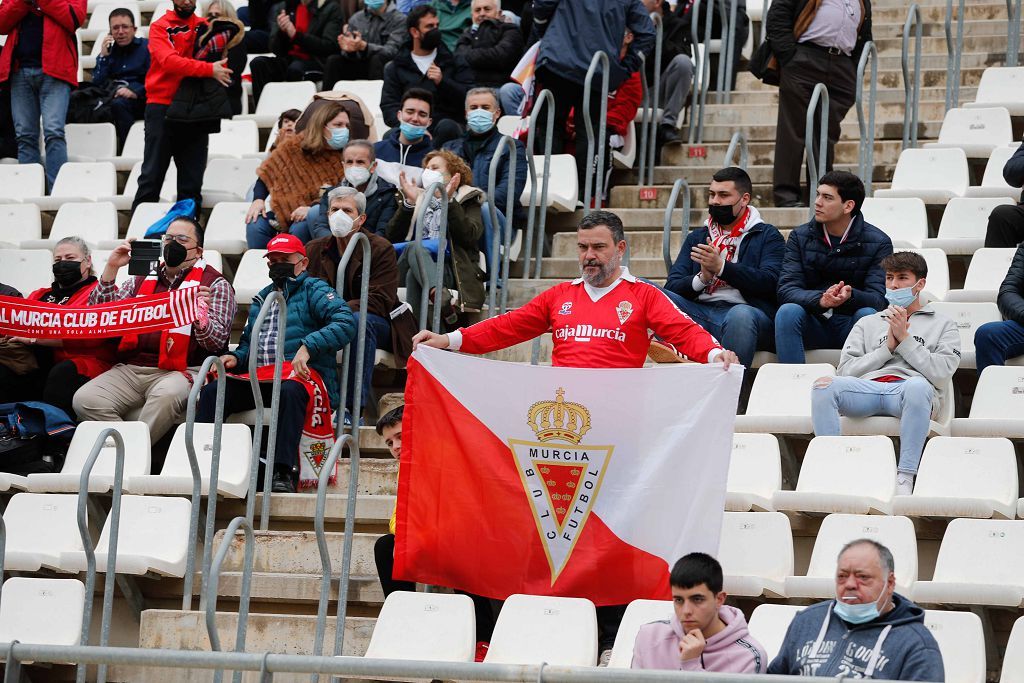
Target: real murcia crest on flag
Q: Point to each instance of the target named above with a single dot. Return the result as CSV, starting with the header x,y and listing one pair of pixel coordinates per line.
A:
x,y
624,310
562,482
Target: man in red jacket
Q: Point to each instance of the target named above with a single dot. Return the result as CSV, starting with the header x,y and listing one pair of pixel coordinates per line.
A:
x,y
172,40
39,61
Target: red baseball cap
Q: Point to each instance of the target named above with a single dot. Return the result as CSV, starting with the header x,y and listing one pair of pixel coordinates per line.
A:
x,y
286,244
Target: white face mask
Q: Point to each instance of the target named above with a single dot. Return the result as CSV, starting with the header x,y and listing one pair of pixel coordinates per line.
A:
x,y
341,224
357,175
430,176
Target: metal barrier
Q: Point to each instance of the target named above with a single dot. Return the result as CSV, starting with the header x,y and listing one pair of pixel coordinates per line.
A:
x,y
866,151
816,166
702,74
90,549
911,88
595,155
538,214
325,557
645,107
1013,32
358,238
442,241
679,187
953,56
275,402
651,118
727,51
197,477
499,267
243,599
738,140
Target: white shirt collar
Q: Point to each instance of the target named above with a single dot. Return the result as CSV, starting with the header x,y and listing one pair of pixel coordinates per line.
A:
x,y
597,292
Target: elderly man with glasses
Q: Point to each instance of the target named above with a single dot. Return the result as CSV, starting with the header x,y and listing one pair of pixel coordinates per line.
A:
x,y
155,371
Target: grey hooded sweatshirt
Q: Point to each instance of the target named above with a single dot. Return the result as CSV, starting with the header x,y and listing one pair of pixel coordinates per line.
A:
x,y
930,350
896,646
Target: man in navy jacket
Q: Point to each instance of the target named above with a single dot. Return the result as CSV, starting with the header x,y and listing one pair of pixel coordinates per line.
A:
x,y
124,58
727,272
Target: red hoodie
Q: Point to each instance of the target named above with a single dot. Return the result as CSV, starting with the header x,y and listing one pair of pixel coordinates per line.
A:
x,y
171,44
61,18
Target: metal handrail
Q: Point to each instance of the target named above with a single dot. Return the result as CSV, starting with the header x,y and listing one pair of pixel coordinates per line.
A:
x,y
738,140
197,477
442,243
728,50
703,76
645,106
866,151
243,599
1013,32
651,120
90,549
816,166
275,296
911,88
764,19
359,238
600,58
679,187
325,556
538,215
954,57
501,266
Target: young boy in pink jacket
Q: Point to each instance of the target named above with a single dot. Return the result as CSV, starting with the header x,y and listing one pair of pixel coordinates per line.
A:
x,y
704,634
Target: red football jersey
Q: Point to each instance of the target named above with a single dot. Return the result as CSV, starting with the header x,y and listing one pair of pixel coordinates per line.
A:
x,y
611,331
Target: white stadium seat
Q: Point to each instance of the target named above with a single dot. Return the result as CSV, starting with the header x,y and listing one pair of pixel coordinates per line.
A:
x,y
853,474
992,182
976,130
755,472
625,157
962,230
94,222
984,275
176,476
638,613
168,191
937,287
563,193
780,400
963,477
225,229
1001,87
136,458
998,405
91,141
509,124
896,533
236,139
26,269
41,527
1013,659
278,96
768,624
145,215
961,642
756,553
933,175
19,182
251,276
367,91
978,563
19,222
904,219
968,318
532,629
424,627
228,180
29,608
134,146
85,181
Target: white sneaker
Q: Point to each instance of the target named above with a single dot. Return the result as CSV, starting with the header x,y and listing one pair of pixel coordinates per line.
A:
x,y
605,657
904,484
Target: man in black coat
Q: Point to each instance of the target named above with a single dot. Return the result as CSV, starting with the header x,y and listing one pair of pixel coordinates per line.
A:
x,y
995,342
1006,222
360,163
424,62
832,274
492,47
675,71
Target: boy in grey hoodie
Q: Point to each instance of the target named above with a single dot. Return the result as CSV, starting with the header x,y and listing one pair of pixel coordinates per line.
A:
x,y
895,362
868,631
704,634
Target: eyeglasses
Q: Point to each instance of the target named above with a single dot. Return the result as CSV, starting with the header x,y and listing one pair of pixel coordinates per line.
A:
x,y
180,239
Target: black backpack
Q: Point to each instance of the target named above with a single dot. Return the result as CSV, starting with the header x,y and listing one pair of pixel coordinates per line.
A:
x,y
92,103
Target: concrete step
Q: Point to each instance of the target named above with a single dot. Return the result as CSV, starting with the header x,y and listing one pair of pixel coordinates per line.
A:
x,y
653,219
297,510
884,95
937,14
629,196
765,131
701,176
762,153
893,78
892,25
886,113
296,552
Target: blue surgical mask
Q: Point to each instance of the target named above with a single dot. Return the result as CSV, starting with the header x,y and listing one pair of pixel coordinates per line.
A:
x,y
856,614
480,120
902,297
374,5
339,138
412,133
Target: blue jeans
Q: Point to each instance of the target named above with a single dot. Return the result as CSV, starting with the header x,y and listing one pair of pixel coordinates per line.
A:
x,y
741,328
996,341
259,232
378,336
910,401
511,96
305,230
796,329
34,94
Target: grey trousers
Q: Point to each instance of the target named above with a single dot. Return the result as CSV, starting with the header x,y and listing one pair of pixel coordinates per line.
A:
x,y
675,84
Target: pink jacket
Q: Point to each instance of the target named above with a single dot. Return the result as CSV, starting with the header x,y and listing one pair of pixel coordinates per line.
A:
x,y
732,650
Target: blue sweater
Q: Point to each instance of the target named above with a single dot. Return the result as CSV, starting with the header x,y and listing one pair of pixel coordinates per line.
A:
x,y
479,161
317,318
129,64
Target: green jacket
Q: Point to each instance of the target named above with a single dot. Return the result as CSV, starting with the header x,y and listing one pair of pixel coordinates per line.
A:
x,y
453,20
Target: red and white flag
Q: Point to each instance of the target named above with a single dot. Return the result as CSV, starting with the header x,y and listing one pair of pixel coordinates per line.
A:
x,y
560,481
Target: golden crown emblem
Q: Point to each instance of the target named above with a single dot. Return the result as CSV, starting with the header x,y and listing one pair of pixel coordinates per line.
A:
x,y
558,420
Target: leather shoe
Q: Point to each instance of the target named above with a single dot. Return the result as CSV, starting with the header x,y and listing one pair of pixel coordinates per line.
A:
x,y
668,135
283,483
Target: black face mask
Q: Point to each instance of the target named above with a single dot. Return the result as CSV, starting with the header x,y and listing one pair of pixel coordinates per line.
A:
x,y
66,273
174,254
431,39
281,273
722,214
185,13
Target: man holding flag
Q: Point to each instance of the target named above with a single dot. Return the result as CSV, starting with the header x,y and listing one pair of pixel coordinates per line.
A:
x,y
600,320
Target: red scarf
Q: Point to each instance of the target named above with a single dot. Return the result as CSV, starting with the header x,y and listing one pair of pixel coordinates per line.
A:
x,y
726,243
174,343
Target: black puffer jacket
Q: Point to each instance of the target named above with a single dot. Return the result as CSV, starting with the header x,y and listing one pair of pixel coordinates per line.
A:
x,y
492,51
319,41
812,266
1013,171
788,19
1011,292
449,96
